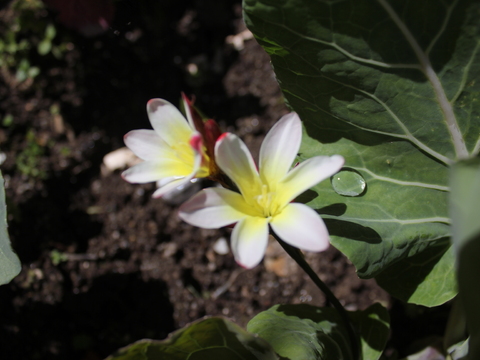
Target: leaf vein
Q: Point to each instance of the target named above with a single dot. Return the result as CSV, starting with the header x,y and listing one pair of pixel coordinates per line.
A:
x,y
405,183
442,28
437,219
449,116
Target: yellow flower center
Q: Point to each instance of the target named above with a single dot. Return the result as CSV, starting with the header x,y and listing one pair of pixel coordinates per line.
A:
x,y
266,203
186,154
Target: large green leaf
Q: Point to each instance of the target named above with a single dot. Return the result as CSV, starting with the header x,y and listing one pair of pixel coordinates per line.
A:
x,y
9,264
397,215
465,210
425,278
305,332
392,86
397,229
212,338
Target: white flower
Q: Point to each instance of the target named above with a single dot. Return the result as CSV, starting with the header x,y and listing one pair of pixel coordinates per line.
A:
x,y
173,152
265,194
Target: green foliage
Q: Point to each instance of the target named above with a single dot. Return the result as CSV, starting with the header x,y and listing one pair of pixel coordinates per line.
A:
x,y
458,351
14,47
373,327
45,46
57,257
9,264
213,338
304,332
26,71
28,161
297,332
425,278
383,226
22,34
392,87
464,209
27,5
7,120
11,48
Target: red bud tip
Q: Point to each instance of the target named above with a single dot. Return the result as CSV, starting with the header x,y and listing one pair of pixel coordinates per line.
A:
x,y
196,142
187,100
196,117
222,136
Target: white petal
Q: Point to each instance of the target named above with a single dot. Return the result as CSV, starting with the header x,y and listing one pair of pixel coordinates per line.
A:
x,y
170,184
149,171
168,122
280,148
249,241
147,144
213,208
185,102
300,226
174,182
308,174
234,158
167,180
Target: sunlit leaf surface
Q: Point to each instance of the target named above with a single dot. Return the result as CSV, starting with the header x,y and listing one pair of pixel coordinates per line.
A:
x,y
303,332
213,338
298,332
9,264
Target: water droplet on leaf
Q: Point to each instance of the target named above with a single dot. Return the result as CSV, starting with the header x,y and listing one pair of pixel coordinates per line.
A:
x,y
348,183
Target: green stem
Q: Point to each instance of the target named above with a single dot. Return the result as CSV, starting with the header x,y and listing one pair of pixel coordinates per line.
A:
x,y
297,255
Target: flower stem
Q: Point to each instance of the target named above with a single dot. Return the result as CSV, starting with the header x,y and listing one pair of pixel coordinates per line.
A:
x,y
297,255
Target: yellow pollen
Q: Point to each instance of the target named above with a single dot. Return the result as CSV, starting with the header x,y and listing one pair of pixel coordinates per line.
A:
x,y
265,202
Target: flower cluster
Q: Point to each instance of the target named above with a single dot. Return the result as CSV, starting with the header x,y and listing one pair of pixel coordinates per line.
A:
x,y
177,150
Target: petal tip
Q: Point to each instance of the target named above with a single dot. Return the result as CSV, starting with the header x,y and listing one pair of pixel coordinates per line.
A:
x,y
339,159
127,176
321,246
157,194
291,116
154,104
246,267
223,136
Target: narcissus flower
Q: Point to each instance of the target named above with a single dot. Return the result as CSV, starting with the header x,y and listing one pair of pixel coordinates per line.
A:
x,y
176,150
266,195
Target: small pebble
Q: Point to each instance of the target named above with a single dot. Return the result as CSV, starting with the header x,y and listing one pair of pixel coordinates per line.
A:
x,y
221,246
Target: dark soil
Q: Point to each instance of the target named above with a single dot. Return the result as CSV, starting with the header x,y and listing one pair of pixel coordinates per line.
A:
x,y
104,264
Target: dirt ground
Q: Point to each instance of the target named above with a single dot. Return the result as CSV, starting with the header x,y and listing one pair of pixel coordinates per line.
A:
x,y
104,264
